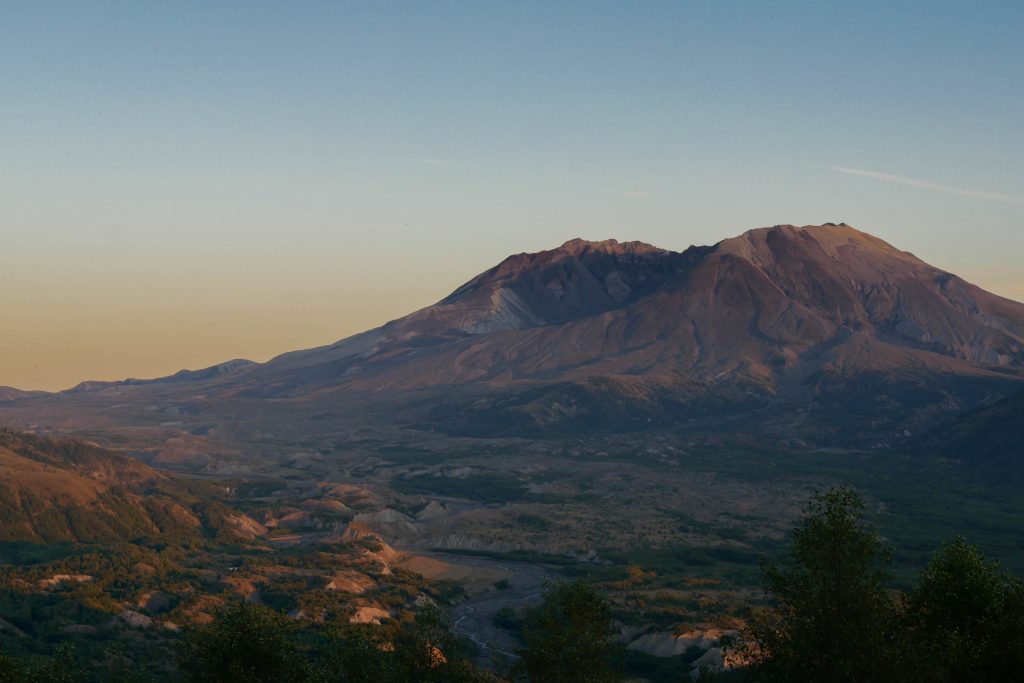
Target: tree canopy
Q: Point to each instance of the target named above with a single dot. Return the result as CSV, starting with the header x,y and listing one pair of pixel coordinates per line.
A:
x,y
568,638
834,615
965,619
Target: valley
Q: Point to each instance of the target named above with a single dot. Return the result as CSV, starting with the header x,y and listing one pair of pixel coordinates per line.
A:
x,y
669,527
652,422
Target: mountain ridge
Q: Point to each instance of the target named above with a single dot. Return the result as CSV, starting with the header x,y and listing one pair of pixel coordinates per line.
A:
x,y
493,303
799,319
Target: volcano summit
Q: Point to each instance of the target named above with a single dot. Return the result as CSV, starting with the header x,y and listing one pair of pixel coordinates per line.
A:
x,y
824,332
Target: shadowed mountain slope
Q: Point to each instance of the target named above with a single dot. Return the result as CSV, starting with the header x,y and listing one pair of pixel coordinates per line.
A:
x,y
992,436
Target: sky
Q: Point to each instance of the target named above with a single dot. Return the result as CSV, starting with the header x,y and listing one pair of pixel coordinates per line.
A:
x,y
185,183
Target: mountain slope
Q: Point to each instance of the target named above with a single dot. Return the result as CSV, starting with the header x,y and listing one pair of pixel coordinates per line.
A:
x,y
212,372
55,490
817,317
757,308
824,331
11,394
992,436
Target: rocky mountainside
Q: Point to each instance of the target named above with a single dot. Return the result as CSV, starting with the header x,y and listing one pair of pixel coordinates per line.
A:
x,y
811,319
758,308
821,331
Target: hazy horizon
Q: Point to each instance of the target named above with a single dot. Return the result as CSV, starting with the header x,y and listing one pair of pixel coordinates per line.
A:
x,y
186,185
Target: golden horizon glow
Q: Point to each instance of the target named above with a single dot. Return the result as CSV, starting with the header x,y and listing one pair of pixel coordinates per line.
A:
x,y
187,183
122,325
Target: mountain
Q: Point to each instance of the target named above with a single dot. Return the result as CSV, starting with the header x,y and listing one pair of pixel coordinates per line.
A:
x,y
211,372
55,490
823,332
809,318
11,394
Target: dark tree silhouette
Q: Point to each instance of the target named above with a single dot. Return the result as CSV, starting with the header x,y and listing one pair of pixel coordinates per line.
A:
x,y
244,644
568,638
965,620
358,654
833,620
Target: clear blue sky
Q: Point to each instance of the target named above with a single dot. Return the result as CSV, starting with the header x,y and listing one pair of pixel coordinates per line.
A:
x,y
198,181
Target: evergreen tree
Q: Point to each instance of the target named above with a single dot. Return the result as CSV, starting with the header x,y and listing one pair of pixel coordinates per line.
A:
x,y
11,669
359,654
244,644
568,638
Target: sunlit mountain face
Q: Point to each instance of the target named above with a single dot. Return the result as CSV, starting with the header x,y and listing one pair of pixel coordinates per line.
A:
x,y
822,332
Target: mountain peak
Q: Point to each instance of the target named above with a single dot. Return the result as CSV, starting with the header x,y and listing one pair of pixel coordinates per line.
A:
x,y
824,232
609,246
785,316
835,245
